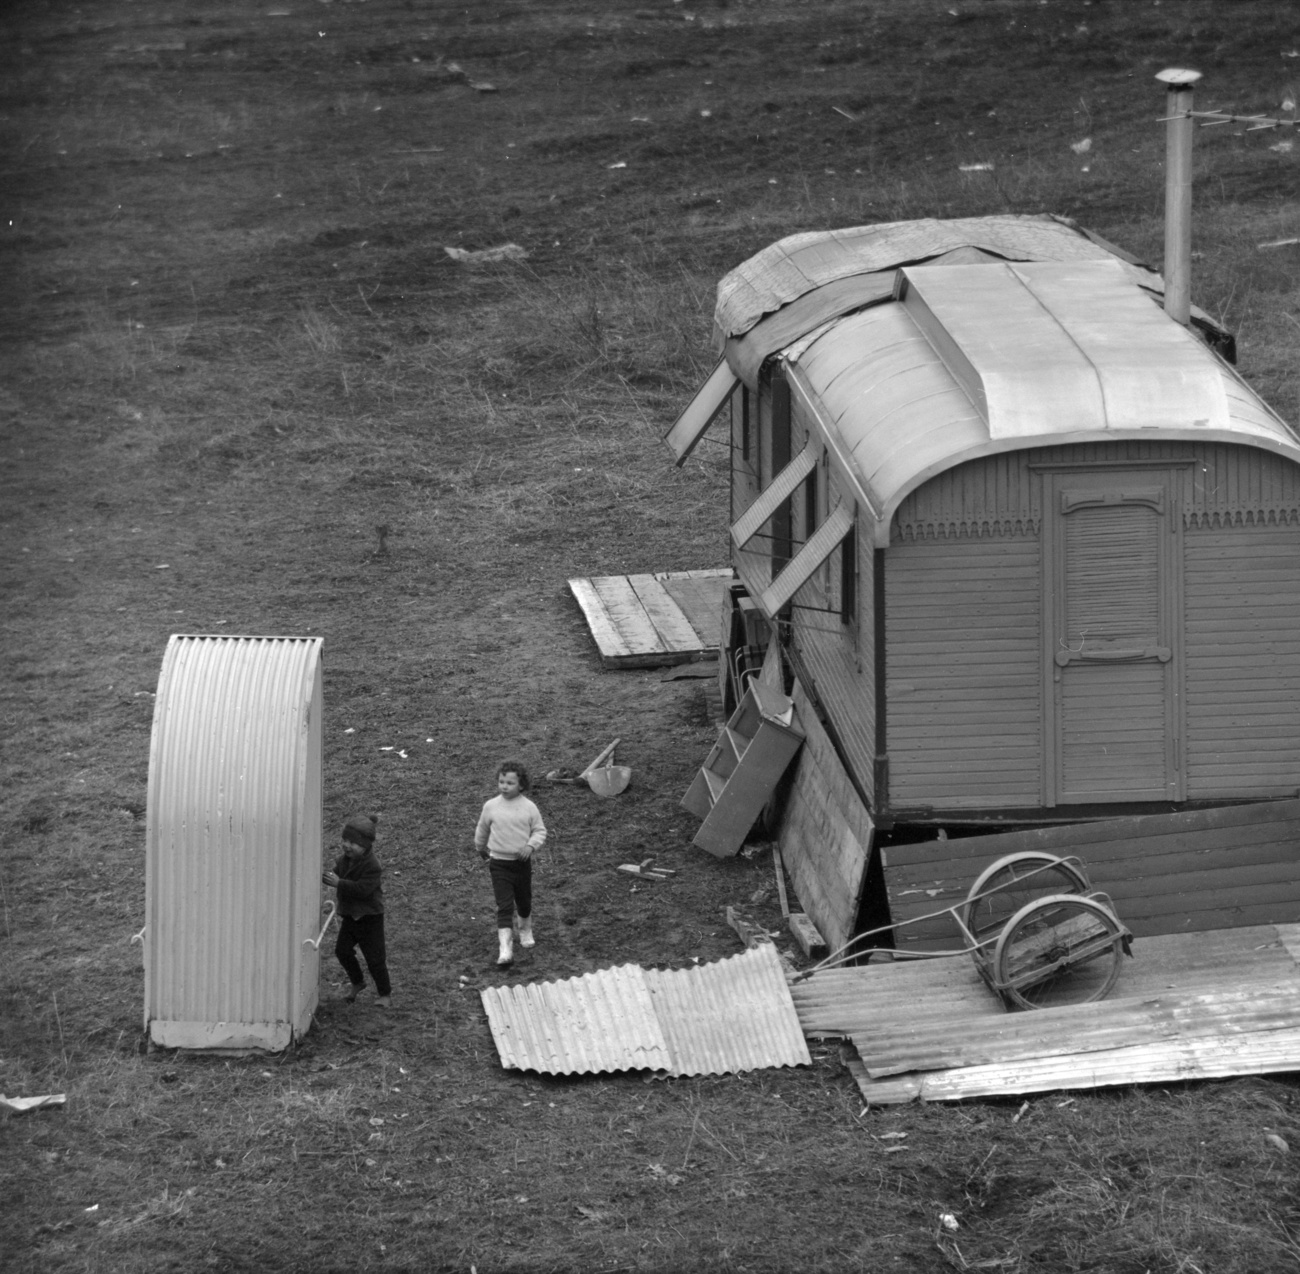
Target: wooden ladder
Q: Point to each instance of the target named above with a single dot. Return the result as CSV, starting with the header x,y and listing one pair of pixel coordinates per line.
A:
x,y
741,772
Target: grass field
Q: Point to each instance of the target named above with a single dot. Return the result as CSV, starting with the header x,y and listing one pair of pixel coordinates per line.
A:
x,y
246,389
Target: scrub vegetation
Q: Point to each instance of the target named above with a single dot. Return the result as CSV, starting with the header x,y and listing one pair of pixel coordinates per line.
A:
x,y
246,389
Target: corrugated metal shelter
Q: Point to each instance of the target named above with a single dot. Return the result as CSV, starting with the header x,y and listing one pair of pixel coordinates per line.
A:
x,y
733,1015
233,843
1031,546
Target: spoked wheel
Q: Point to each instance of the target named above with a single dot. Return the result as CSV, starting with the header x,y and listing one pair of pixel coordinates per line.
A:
x,y
1058,950
1007,885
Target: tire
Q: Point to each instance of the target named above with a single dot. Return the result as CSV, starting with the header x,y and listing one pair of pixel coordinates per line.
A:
x,y
1005,886
1059,950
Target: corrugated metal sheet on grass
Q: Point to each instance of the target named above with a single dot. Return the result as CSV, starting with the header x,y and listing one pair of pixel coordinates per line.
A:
x,y
233,842
1188,1006
735,1015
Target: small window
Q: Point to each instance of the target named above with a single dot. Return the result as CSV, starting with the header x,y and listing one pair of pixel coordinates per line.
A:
x,y
849,578
811,512
744,423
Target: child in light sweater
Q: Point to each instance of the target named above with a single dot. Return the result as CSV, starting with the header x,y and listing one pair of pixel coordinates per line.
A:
x,y
509,829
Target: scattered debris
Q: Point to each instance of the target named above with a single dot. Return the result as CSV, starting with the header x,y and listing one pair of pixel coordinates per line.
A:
x,y
750,934
1278,243
839,110
948,1221
20,1105
806,934
645,869
487,256
1081,147
1280,1142
604,777
709,669
620,164
780,881
974,168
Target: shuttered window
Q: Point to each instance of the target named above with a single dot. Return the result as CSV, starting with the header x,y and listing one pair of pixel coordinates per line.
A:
x,y
1112,577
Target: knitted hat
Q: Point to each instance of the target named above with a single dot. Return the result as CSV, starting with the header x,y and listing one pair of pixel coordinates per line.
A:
x,y
360,830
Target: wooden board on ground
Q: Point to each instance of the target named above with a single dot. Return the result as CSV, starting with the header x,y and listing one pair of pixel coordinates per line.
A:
x,y
825,833
647,621
1188,1006
1165,873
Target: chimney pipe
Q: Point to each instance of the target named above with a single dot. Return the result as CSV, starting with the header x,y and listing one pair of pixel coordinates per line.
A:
x,y
1178,192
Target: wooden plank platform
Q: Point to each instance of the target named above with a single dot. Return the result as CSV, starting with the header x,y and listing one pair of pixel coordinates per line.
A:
x,y
648,621
1188,1006
1187,872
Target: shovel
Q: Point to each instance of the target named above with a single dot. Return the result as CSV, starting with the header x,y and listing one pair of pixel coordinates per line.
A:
x,y
603,776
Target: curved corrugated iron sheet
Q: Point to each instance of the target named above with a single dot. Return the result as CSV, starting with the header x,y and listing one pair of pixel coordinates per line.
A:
x,y
800,263
735,1015
233,849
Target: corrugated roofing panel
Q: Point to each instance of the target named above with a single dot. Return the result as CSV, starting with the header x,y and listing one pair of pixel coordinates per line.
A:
x,y
601,1021
233,846
1187,1006
735,1015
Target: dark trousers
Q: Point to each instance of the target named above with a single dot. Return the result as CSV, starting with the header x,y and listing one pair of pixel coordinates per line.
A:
x,y
366,932
512,887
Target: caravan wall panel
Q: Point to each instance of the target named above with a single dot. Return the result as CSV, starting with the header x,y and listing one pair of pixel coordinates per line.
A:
x,y
963,683
1243,660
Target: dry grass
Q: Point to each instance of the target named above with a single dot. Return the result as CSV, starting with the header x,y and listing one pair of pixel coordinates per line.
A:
x,y
235,347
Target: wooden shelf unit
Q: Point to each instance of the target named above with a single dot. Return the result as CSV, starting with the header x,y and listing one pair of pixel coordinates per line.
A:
x,y
742,770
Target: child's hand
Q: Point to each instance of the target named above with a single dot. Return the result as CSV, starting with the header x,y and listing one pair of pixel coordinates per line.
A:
x,y
481,851
330,878
526,853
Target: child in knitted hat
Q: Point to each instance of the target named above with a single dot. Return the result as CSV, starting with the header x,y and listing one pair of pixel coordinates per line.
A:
x,y
358,878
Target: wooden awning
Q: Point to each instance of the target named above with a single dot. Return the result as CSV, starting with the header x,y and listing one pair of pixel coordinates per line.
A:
x,y
702,411
799,570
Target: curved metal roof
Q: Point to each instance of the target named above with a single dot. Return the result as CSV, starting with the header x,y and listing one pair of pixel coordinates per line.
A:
x,y
968,361
802,263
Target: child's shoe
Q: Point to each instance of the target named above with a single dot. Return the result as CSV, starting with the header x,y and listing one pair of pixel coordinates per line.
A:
x,y
526,938
506,937
384,1002
353,991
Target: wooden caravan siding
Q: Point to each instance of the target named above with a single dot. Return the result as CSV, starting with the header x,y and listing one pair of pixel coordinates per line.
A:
x,y
1187,872
838,658
1243,660
825,833
963,657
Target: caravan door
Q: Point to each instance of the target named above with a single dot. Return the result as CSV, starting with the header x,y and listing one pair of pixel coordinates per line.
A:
x,y
1113,663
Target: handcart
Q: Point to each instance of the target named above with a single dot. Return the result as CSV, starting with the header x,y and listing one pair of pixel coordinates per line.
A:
x,y
1039,934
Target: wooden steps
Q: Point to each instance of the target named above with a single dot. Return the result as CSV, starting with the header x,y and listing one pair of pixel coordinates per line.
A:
x,y
742,770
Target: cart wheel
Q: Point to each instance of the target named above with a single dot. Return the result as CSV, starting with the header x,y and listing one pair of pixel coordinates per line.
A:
x,y
1003,888
1063,949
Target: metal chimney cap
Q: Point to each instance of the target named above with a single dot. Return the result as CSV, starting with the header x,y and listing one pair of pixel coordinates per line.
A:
x,y
1177,76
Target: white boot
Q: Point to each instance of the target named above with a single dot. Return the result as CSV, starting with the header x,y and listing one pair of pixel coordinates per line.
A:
x,y
526,938
507,940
